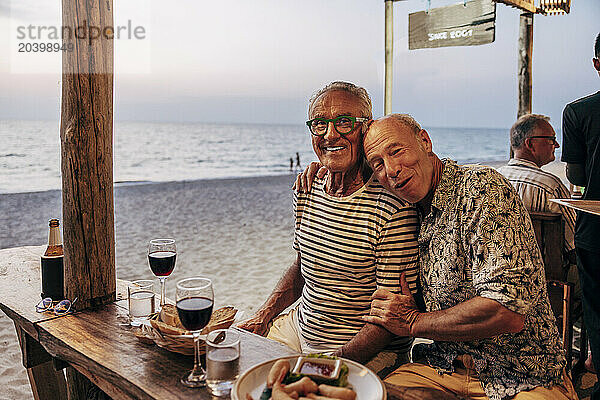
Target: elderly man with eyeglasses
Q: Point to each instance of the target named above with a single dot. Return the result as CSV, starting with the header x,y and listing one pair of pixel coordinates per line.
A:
x,y
533,141
351,237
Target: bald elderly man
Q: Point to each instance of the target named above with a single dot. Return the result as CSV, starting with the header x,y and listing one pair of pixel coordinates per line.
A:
x,y
487,308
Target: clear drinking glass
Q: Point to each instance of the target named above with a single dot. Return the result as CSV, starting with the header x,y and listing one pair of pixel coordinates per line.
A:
x,y
222,360
194,306
162,254
140,299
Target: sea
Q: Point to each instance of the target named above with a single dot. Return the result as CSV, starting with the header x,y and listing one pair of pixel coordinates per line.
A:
x,y
162,152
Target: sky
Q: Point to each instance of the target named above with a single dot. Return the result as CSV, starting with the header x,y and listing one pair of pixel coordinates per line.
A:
x,y
259,61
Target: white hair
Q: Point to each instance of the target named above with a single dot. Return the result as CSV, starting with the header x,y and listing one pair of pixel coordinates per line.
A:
x,y
359,92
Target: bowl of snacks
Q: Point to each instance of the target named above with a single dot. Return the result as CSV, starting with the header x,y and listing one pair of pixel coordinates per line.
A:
x,y
313,376
166,331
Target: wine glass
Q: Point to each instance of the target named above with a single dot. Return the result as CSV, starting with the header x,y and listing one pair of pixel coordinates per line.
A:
x,y
161,257
194,306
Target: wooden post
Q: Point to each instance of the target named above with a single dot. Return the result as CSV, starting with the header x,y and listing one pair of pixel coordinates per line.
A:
x,y
389,55
86,146
525,61
524,64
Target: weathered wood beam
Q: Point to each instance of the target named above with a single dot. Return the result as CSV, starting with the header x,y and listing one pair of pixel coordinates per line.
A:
x,y
389,55
86,146
525,61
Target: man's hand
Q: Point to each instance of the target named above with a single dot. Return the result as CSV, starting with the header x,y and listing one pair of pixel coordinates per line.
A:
x,y
256,324
395,312
305,179
287,291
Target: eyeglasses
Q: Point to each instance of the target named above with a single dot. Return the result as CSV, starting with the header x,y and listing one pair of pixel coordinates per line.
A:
x,y
61,308
343,124
552,139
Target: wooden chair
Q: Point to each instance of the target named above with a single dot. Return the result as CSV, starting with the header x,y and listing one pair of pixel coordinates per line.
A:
x,y
561,295
549,233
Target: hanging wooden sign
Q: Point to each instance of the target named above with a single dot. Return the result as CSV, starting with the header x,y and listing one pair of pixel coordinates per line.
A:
x,y
466,24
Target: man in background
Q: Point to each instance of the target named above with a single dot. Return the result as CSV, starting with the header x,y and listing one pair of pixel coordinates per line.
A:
x,y
581,141
533,141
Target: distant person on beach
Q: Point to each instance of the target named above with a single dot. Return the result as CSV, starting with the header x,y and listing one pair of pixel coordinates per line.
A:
x,y
351,237
581,152
291,164
488,313
298,161
533,141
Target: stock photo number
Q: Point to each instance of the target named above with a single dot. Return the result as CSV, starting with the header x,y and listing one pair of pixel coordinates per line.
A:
x,y
44,47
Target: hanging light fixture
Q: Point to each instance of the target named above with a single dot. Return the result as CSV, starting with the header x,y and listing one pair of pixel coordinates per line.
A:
x,y
524,5
555,6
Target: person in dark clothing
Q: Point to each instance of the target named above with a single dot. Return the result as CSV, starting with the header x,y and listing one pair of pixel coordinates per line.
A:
x,y
581,152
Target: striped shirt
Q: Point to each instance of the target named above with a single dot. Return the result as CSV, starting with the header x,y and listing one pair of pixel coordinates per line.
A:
x,y
536,187
349,246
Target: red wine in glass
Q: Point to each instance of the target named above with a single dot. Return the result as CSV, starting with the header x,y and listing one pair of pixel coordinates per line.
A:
x,y
194,312
195,300
162,263
161,257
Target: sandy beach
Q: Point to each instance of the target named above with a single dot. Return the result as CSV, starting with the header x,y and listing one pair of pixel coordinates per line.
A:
x,y
236,231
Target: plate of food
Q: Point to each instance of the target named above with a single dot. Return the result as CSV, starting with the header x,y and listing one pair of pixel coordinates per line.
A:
x,y
313,376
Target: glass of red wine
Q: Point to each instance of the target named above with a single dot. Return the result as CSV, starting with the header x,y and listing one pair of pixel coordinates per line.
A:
x,y
194,306
161,257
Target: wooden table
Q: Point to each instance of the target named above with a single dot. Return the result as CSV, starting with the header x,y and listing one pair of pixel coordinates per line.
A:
x,y
587,206
98,344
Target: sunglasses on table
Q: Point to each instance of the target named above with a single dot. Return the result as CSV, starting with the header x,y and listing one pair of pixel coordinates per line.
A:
x,y
57,307
343,124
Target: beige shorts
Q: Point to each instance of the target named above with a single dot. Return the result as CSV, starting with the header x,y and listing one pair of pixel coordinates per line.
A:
x,y
465,383
286,330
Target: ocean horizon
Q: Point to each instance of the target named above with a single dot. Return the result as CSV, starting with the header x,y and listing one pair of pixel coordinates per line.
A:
x,y
153,152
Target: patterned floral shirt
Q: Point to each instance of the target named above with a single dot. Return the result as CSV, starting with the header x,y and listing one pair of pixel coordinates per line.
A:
x,y
478,241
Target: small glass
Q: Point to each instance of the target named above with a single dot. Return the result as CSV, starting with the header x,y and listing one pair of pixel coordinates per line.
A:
x,y
195,299
577,192
162,254
222,361
140,297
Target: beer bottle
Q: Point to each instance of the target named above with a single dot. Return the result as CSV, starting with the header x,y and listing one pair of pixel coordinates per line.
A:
x,y
52,264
